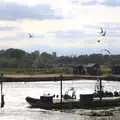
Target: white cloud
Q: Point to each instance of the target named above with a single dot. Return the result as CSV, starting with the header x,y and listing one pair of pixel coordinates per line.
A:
x,y
50,26
12,32
95,14
83,13
81,16
36,2
88,1
76,17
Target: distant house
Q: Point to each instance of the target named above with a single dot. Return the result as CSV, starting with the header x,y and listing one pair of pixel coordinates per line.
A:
x,y
93,69
90,69
116,70
79,70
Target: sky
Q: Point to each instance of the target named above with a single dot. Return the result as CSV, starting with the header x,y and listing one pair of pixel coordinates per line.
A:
x,y
68,27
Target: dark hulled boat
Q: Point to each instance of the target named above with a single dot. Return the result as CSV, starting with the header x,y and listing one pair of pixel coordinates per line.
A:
x,y
70,102
86,101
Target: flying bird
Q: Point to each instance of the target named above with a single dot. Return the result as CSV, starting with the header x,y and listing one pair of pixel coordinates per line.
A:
x,y
98,41
102,32
30,35
107,51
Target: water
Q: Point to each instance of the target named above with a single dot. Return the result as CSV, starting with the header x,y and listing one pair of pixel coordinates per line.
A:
x,y
16,108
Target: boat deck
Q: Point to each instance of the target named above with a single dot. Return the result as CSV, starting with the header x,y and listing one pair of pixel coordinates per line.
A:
x,y
75,103
65,100
107,98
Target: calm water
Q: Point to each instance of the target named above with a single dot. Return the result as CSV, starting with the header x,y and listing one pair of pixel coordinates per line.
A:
x,y
16,108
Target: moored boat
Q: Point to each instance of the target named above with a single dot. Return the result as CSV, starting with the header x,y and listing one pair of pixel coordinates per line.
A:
x,y
66,101
86,101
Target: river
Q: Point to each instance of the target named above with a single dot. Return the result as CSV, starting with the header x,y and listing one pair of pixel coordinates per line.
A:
x,y
16,108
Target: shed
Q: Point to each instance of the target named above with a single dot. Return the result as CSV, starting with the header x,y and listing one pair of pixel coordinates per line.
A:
x,y
93,69
116,69
79,70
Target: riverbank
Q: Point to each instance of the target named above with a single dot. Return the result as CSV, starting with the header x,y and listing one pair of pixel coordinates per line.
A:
x,y
55,77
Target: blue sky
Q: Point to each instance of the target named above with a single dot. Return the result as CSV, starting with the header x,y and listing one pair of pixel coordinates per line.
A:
x,y
69,27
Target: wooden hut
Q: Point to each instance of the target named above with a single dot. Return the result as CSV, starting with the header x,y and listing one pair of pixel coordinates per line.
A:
x,y
93,69
116,70
79,70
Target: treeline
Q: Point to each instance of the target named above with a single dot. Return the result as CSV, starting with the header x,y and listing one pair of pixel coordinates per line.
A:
x,y
17,58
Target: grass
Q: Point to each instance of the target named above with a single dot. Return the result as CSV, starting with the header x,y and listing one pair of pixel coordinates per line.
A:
x,y
31,71
56,70
106,70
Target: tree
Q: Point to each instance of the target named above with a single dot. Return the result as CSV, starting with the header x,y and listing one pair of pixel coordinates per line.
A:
x,y
35,54
14,53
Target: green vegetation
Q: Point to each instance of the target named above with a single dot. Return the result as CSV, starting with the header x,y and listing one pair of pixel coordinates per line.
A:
x,y
32,71
17,61
106,70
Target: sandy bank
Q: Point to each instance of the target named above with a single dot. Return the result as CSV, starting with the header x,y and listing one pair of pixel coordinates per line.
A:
x,y
53,77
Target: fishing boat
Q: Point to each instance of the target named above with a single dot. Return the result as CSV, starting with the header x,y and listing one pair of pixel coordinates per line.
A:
x,y
47,101
66,101
85,101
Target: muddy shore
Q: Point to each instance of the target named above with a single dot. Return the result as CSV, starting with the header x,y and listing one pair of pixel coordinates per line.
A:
x,y
54,77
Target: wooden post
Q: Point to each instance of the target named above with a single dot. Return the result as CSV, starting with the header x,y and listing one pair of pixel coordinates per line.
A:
x,y
100,89
61,77
2,96
98,71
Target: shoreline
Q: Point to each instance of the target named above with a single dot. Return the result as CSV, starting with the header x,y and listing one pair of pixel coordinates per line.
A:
x,y
54,77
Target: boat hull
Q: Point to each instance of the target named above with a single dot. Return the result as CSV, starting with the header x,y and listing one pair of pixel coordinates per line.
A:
x,y
71,104
37,103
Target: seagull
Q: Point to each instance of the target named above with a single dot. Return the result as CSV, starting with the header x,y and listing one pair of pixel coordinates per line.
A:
x,y
30,35
102,32
98,41
107,51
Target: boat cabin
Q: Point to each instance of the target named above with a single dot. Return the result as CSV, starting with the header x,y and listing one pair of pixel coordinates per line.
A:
x,y
46,99
86,98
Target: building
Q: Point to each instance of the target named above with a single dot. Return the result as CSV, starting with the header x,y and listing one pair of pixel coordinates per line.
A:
x,y
79,70
90,69
116,69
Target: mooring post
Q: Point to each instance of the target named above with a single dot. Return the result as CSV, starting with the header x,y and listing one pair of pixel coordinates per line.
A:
x,y
98,72
2,96
100,90
61,78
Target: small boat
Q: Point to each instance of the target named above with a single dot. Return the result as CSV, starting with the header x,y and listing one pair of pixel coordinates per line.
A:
x,y
86,102
95,100
48,102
